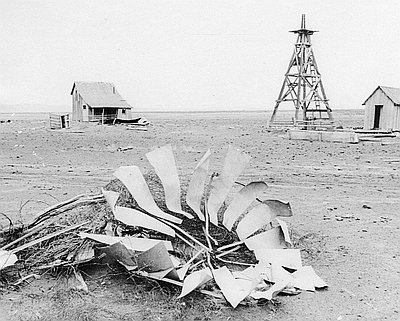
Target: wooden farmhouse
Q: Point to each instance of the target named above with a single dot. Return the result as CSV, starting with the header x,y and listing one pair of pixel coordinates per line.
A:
x,y
98,101
382,109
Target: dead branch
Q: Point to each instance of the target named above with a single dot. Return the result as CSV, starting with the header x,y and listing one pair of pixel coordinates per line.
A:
x,y
25,278
10,221
47,237
58,208
34,230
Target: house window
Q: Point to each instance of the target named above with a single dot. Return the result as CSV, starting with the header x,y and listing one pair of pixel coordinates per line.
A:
x,y
84,106
123,111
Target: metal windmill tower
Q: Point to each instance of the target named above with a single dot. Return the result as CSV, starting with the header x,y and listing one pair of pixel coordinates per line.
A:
x,y
302,84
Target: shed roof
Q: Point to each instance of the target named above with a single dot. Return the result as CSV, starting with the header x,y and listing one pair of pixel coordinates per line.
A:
x,y
391,92
100,94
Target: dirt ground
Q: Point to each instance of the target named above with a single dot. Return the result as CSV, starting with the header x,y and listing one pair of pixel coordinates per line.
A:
x,y
345,199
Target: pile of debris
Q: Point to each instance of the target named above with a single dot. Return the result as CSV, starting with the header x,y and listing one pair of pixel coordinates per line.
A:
x,y
194,240
140,123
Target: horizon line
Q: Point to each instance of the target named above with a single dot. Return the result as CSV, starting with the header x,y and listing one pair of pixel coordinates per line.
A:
x,y
176,111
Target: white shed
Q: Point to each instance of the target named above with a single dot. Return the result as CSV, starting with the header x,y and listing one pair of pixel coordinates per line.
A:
x,y
382,109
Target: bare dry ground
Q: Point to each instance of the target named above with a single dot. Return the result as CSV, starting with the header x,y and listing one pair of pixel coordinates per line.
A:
x,y
345,199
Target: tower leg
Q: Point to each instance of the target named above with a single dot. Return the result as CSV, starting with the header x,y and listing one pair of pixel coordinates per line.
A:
x,y
274,113
296,114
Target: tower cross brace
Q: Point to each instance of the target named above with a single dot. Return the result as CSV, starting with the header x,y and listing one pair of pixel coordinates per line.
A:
x,y
302,84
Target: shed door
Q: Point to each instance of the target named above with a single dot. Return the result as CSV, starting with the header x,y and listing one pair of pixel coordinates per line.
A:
x,y
62,121
377,117
85,113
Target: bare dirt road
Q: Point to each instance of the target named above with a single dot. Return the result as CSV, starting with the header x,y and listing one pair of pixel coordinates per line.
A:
x,y
345,199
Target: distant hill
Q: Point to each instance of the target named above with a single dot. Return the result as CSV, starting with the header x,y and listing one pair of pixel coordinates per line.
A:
x,y
33,108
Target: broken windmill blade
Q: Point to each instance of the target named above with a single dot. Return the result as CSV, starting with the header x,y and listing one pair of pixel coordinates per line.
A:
x,y
234,290
134,181
130,242
134,217
258,217
273,236
197,183
278,207
111,198
273,239
195,280
303,86
256,222
163,161
234,164
241,201
156,259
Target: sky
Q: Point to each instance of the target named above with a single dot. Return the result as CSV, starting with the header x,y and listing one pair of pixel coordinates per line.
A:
x,y
193,55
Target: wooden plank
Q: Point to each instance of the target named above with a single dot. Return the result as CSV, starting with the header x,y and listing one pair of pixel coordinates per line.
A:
x,y
323,136
282,123
372,131
316,110
377,135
